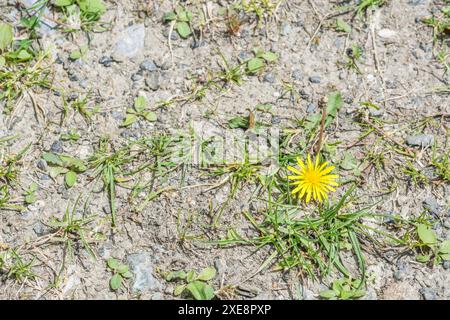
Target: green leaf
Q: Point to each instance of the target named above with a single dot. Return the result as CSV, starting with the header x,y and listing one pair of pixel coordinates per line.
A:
x,y
190,276
140,103
71,179
122,269
56,171
179,289
6,36
169,16
343,26
92,6
255,64
269,56
175,275
75,55
445,247
30,198
183,29
207,274
24,55
112,263
149,116
2,61
423,258
115,281
63,3
327,294
238,122
200,290
334,103
52,159
427,235
127,275
130,119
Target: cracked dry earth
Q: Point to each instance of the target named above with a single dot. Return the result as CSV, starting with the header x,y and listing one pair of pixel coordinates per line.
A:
x,y
166,224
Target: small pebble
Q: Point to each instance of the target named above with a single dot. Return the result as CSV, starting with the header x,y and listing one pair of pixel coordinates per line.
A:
x,y
421,140
148,65
57,147
269,77
315,79
428,293
105,61
311,107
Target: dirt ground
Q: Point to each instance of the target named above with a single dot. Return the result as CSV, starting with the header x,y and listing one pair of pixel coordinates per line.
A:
x,y
169,214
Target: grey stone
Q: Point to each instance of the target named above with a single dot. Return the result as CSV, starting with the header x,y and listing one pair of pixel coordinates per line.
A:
x,y
446,264
376,112
198,43
421,140
269,77
42,164
431,205
311,107
428,293
131,42
136,77
40,229
286,28
141,266
276,120
315,79
106,61
148,65
57,147
153,81
297,75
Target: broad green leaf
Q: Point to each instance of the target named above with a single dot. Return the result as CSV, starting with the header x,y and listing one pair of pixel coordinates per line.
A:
x,y
422,258
71,179
92,6
52,159
30,198
190,276
149,116
24,55
6,36
334,103
169,16
427,235
75,55
270,56
175,275
343,26
327,294
179,289
130,119
127,275
112,263
183,29
445,247
207,274
122,269
56,171
63,3
140,103
255,64
115,281
200,290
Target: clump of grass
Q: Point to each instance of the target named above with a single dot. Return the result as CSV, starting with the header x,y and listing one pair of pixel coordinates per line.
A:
x,y
15,267
311,243
22,67
261,9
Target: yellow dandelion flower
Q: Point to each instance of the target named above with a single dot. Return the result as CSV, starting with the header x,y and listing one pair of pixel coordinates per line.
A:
x,y
313,180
